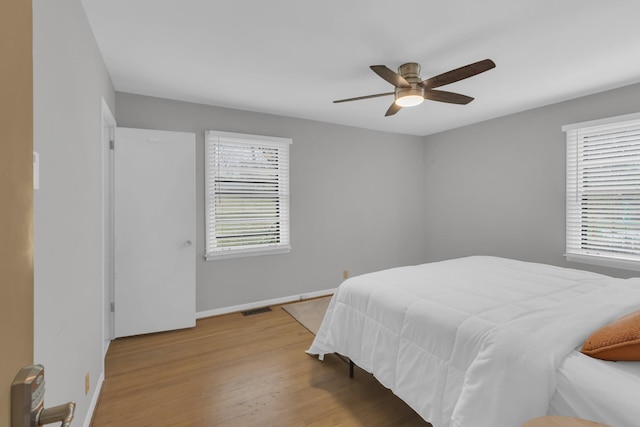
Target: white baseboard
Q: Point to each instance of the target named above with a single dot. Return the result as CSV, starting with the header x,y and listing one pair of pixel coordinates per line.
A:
x,y
258,304
94,400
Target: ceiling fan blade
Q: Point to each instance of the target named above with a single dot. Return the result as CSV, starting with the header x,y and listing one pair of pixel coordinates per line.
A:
x,y
458,74
391,76
363,97
450,97
393,109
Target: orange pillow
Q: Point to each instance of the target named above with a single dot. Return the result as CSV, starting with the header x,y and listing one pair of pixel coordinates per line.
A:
x,y
619,340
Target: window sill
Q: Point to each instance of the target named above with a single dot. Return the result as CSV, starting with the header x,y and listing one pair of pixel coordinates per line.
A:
x,y
247,253
625,264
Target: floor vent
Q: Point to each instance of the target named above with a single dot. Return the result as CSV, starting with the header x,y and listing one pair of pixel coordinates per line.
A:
x,y
256,311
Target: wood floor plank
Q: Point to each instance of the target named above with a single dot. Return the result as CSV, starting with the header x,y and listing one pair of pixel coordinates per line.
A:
x,y
236,370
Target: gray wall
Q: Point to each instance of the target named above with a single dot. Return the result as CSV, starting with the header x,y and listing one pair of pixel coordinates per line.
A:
x,y
356,201
69,81
498,187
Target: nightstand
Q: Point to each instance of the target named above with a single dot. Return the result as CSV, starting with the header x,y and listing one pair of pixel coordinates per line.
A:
x,y
555,421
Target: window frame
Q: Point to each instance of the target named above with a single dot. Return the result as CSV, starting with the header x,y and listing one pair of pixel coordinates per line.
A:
x,y
575,252
240,140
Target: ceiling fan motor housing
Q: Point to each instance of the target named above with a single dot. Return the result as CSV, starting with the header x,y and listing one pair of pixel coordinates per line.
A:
x,y
411,73
410,70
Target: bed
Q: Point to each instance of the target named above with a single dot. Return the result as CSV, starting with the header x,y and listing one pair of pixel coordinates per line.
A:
x,y
486,341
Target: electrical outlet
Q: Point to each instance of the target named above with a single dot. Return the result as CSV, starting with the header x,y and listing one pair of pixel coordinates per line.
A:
x,y
87,383
345,274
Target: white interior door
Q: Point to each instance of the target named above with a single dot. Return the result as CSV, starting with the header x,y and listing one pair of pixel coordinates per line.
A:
x,y
154,188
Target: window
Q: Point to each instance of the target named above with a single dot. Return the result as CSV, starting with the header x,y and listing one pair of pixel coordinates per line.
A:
x,y
603,192
247,195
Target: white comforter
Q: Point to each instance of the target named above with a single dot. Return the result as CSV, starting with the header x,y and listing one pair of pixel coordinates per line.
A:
x,y
471,342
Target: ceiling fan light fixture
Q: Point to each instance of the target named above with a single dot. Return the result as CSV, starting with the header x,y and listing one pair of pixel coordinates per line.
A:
x,y
409,100
409,97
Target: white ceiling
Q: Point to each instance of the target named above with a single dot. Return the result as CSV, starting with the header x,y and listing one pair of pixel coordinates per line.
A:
x,y
294,57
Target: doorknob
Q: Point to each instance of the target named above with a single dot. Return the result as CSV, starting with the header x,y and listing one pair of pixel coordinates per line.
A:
x,y
27,401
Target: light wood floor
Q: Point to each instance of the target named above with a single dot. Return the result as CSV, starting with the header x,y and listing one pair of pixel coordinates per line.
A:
x,y
233,370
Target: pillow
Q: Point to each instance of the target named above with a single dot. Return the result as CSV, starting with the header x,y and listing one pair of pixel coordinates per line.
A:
x,y
619,340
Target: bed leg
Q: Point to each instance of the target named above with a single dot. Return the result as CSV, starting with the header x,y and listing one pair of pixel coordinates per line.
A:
x,y
351,364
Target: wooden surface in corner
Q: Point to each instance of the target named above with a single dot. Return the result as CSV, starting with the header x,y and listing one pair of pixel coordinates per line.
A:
x,y
558,421
234,370
16,195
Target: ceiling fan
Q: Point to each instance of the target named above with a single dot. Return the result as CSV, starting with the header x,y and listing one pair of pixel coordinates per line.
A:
x,y
411,90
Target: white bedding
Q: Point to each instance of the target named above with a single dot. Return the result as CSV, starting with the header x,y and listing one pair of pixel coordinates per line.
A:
x,y
471,342
598,390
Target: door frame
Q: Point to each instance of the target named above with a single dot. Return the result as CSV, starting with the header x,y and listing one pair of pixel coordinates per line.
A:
x,y
108,125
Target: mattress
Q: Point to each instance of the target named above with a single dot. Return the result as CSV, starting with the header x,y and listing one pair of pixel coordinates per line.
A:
x,y
598,390
471,342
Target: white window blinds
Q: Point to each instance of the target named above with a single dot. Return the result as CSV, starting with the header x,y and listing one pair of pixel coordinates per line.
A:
x,y
247,194
603,192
